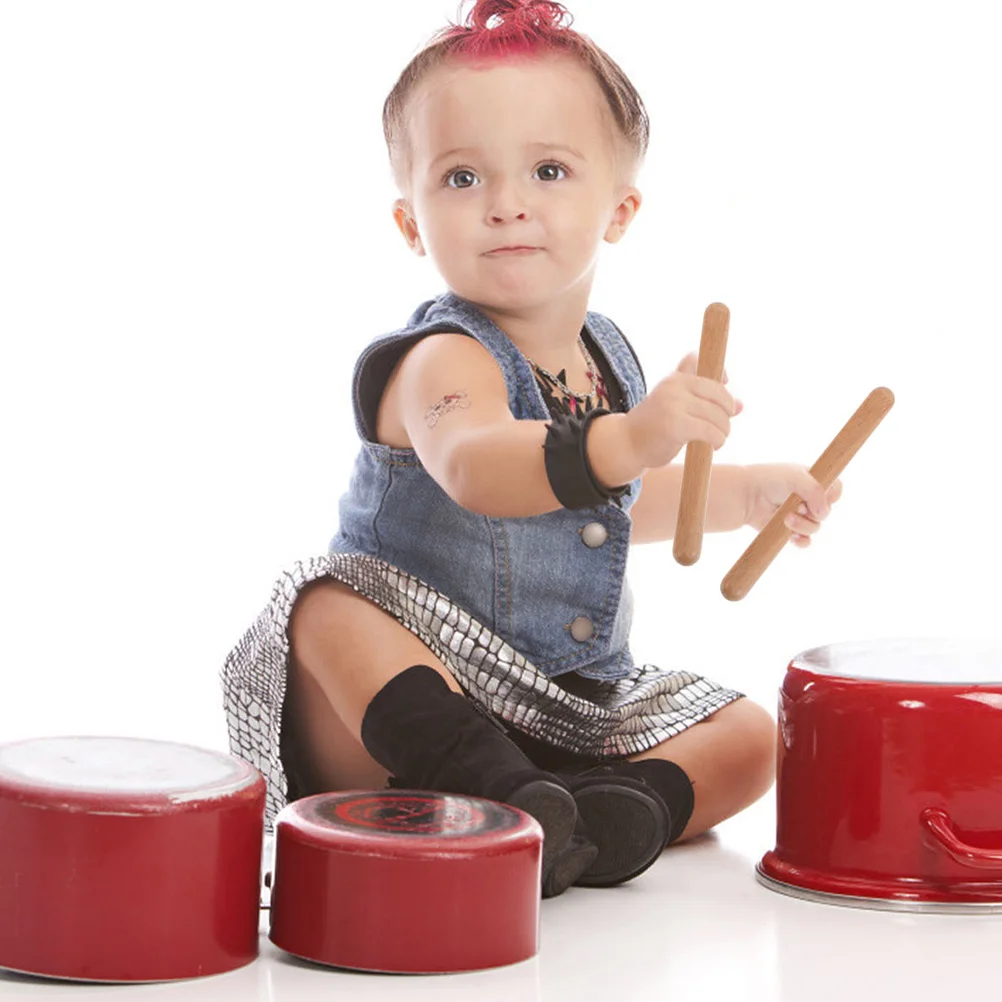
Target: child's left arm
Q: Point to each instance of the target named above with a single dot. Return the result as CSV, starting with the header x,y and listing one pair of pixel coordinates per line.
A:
x,y
738,495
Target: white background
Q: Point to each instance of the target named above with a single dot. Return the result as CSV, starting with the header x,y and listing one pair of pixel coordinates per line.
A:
x,y
196,241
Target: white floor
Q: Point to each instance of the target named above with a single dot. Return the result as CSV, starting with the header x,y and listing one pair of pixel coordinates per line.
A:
x,y
697,925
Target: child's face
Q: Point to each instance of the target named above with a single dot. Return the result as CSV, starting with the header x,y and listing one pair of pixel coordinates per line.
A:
x,y
501,189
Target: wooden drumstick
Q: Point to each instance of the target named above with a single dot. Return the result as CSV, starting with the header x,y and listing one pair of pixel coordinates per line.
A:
x,y
767,544
699,455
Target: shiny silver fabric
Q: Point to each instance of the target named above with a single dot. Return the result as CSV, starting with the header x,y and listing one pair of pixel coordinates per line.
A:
x,y
620,717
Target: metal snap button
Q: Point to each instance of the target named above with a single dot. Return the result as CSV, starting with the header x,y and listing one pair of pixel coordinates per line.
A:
x,y
594,534
582,629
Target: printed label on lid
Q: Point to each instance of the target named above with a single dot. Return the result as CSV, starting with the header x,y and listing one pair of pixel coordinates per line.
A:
x,y
441,815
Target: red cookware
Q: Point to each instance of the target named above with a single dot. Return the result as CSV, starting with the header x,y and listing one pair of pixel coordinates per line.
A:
x,y
406,881
123,859
889,784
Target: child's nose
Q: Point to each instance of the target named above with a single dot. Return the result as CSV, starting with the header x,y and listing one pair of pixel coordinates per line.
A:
x,y
508,203
499,216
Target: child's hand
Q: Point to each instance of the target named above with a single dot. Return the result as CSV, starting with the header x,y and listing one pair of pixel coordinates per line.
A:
x,y
768,485
682,408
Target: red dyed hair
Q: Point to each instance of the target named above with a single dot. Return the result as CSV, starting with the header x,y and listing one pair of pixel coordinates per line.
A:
x,y
509,29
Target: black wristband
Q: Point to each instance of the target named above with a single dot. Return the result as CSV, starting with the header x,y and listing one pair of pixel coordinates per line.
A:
x,y
567,468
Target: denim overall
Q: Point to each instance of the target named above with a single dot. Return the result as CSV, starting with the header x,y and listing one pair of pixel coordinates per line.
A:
x,y
553,586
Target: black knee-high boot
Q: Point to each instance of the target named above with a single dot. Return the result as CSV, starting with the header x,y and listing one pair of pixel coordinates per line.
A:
x,y
432,738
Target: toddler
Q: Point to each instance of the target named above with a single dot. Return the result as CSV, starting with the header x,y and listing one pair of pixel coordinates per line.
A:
x,y
468,629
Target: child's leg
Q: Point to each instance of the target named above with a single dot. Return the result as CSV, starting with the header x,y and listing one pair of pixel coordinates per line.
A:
x,y
344,650
351,648
730,758
318,751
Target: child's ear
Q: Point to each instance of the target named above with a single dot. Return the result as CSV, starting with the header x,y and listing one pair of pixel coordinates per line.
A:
x,y
626,210
403,215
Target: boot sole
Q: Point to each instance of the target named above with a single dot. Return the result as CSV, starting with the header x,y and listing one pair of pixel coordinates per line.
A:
x,y
629,826
568,867
556,811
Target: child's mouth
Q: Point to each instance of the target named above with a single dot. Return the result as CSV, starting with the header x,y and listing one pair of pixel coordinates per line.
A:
x,y
503,251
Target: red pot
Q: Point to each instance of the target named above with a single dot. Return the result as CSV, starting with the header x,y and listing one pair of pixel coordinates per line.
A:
x,y
123,859
889,784
406,881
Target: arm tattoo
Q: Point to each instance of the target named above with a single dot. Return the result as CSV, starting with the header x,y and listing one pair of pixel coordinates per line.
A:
x,y
450,402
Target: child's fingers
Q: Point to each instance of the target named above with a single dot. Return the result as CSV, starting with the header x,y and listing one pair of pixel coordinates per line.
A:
x,y
710,389
816,501
740,406
801,524
689,364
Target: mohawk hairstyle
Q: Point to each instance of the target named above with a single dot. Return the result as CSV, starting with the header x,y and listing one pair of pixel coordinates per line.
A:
x,y
508,30
498,28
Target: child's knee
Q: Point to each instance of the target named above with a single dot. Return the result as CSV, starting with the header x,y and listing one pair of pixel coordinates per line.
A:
x,y
336,633
318,609
759,738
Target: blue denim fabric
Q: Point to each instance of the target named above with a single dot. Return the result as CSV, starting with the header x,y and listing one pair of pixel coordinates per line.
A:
x,y
526,579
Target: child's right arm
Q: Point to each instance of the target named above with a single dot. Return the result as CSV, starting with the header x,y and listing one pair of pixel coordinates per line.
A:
x,y
448,397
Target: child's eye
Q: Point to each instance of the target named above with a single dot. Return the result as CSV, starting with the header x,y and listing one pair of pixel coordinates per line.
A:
x,y
459,172
552,166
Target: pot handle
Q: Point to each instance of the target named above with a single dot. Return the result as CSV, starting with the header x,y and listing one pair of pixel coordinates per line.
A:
x,y
937,823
